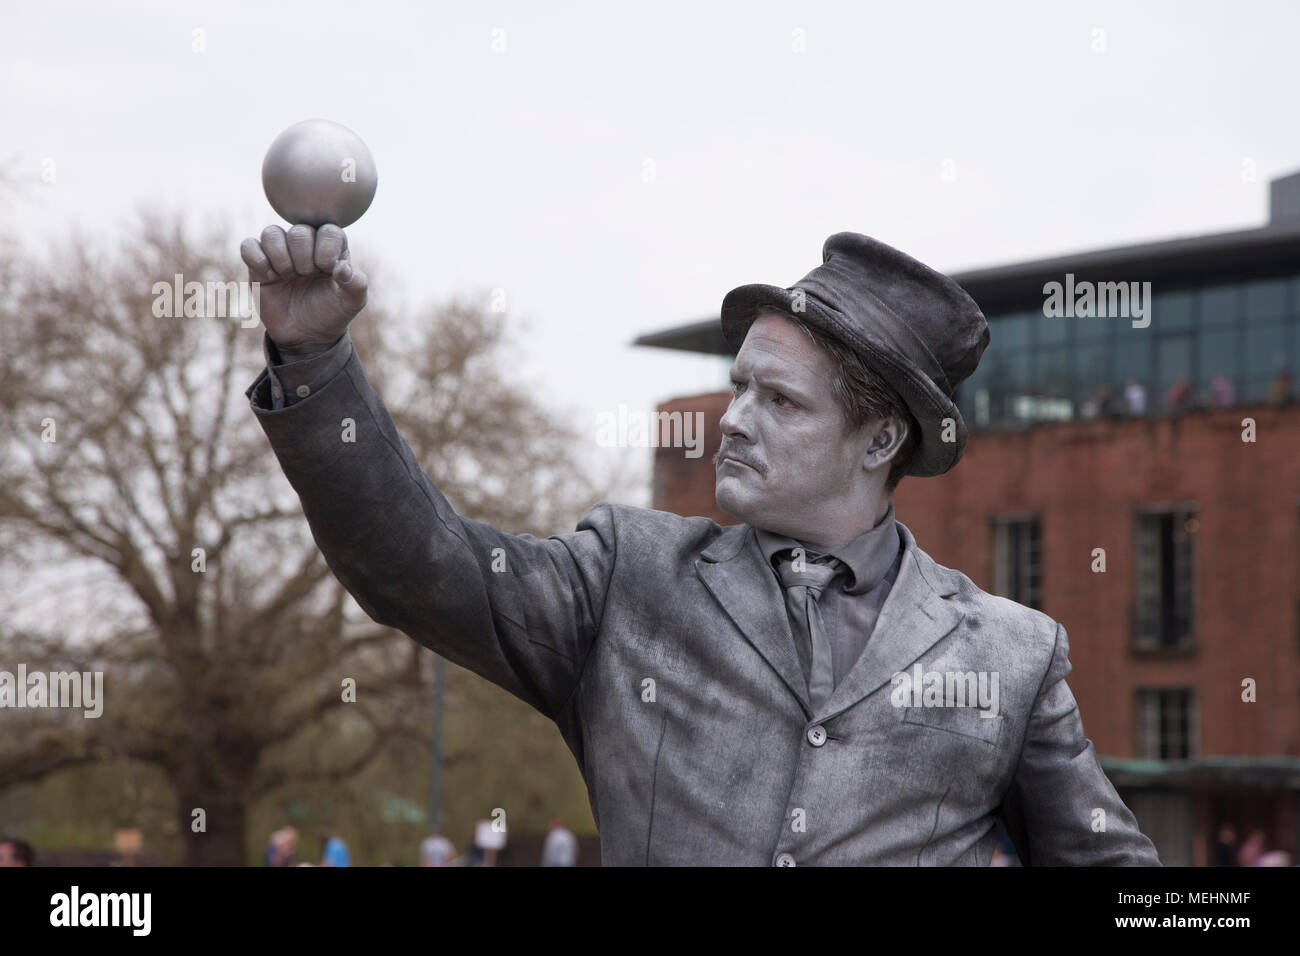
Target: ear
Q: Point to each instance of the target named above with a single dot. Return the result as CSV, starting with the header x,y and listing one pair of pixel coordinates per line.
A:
x,y
887,437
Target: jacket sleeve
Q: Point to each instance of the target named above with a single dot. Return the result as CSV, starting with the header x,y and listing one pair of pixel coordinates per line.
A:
x,y
309,375
1061,810
520,611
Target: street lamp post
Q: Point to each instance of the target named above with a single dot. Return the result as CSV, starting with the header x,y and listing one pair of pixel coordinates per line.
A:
x,y
435,775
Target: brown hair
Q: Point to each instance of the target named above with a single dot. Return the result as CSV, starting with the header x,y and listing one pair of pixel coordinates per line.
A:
x,y
862,393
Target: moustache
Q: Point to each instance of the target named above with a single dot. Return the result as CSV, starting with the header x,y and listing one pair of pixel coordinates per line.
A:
x,y
726,451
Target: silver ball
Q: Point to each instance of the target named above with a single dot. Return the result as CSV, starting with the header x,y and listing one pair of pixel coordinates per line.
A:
x,y
318,172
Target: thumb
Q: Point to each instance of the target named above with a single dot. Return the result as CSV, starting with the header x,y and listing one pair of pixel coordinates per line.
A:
x,y
350,283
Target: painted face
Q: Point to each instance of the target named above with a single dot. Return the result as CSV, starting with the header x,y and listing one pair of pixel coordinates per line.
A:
x,y
787,462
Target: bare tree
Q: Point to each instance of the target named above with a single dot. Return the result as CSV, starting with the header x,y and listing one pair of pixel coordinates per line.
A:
x,y
127,450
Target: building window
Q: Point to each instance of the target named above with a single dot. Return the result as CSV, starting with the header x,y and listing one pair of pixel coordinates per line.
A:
x,y
1214,346
1221,304
1218,353
1265,299
1094,393
1165,555
1173,310
1265,359
1173,373
1165,724
1017,560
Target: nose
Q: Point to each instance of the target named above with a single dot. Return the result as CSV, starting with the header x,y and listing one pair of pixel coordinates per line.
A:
x,y
735,420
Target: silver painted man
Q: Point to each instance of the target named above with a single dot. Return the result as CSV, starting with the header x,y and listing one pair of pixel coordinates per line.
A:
x,y
733,695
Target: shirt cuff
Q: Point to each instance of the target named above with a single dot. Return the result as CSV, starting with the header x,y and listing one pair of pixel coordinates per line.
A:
x,y
294,381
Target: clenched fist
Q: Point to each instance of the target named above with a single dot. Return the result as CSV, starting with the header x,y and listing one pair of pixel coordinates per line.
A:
x,y
310,291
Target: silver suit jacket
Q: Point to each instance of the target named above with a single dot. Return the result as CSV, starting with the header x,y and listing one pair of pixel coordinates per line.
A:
x,y
661,648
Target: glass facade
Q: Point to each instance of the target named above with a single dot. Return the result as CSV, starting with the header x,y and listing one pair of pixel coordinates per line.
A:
x,y
1215,345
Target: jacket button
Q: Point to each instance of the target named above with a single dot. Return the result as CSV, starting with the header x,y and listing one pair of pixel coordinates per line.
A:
x,y
817,735
785,859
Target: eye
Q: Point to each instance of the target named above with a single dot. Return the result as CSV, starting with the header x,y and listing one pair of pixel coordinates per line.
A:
x,y
736,387
779,398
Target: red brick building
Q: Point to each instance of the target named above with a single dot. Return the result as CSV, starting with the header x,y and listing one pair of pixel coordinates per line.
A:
x,y
1164,448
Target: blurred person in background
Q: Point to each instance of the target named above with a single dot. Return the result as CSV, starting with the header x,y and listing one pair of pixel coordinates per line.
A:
x,y
1179,396
1255,852
1252,849
561,846
283,847
1222,392
436,849
1004,854
1225,846
1280,390
1135,397
16,852
489,841
334,852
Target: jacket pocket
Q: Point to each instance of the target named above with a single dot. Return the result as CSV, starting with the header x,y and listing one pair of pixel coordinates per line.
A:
x,y
966,721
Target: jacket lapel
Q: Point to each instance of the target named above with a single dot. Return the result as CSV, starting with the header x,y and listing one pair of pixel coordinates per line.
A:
x,y
915,616
732,569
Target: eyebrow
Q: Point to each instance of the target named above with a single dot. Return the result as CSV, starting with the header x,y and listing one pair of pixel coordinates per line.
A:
x,y
776,384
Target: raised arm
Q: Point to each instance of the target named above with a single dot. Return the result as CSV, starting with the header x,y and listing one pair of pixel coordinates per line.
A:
x,y
520,611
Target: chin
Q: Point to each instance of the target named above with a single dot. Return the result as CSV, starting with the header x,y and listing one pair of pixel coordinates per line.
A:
x,y
735,504
727,501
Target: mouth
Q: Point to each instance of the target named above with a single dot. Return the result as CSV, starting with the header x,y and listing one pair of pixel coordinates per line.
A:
x,y
724,460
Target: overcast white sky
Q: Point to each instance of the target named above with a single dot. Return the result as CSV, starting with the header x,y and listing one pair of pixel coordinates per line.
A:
x,y
523,169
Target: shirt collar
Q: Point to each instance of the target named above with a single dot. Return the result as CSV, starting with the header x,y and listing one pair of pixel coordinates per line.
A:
x,y
869,556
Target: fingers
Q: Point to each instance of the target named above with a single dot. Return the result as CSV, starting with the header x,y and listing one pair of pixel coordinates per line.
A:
x,y
259,267
302,251
331,244
277,250
351,283
301,241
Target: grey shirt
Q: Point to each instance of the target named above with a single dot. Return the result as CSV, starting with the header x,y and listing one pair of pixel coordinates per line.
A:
x,y
852,603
